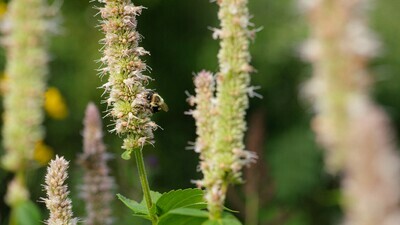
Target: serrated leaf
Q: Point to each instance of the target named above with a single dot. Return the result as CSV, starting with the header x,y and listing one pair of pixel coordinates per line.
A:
x,y
184,216
137,208
140,209
26,213
187,198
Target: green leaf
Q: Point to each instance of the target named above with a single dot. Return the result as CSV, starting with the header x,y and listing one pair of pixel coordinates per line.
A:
x,y
126,155
137,208
140,209
155,196
187,198
184,216
26,213
227,219
190,212
211,222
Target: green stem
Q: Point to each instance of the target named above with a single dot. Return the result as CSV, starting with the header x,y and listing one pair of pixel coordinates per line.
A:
x,y
145,184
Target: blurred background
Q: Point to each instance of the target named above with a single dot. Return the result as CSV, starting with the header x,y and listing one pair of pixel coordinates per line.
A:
x,y
287,186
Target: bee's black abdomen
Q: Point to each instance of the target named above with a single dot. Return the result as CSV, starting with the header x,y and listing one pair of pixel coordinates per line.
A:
x,y
155,109
149,95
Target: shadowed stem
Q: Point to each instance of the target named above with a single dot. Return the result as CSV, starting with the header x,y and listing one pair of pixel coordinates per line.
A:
x,y
145,184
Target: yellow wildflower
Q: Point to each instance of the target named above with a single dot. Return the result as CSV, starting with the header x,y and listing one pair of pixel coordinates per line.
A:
x,y
43,153
54,104
3,77
3,8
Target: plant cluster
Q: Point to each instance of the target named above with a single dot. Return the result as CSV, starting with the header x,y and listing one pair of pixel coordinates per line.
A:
x,y
354,130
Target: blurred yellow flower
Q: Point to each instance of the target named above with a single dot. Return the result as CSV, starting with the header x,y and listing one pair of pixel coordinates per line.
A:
x,y
3,83
3,8
43,153
54,104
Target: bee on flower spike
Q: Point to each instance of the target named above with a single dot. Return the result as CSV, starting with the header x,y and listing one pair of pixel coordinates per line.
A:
x,y
156,102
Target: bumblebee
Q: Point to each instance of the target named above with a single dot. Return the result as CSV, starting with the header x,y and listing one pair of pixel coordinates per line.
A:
x,y
156,102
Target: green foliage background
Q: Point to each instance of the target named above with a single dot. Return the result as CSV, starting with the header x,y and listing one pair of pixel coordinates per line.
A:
x,y
178,36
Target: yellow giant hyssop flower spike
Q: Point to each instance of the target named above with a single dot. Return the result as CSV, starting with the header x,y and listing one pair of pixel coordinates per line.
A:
x,y
97,186
220,114
57,200
130,102
354,131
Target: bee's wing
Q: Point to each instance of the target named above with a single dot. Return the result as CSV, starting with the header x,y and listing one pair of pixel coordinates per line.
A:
x,y
164,107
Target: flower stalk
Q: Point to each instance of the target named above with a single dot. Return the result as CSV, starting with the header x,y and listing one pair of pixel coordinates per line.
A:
x,y
25,28
145,185
97,186
126,86
221,124
355,132
26,44
57,200
129,99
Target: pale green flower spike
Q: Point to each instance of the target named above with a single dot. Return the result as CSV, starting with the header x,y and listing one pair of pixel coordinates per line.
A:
x,y
17,192
130,104
220,120
57,200
129,100
26,28
339,49
204,112
233,81
355,131
26,35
